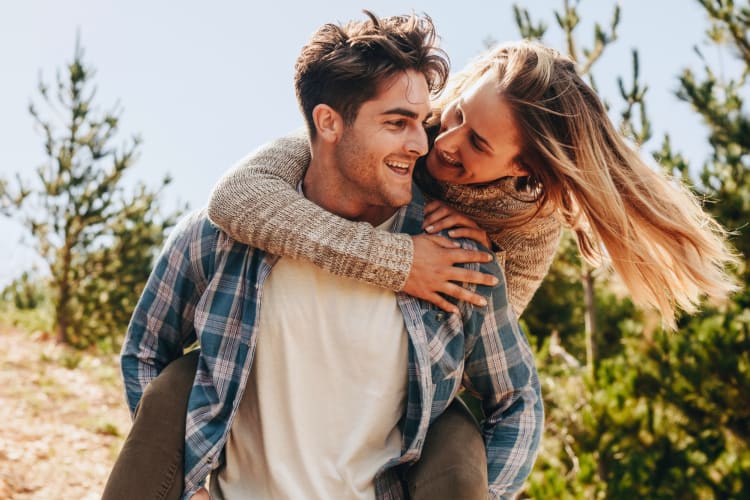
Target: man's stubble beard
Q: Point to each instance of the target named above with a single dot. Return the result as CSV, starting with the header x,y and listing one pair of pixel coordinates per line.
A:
x,y
363,174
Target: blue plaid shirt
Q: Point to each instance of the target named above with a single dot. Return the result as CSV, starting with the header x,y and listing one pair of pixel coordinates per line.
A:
x,y
207,287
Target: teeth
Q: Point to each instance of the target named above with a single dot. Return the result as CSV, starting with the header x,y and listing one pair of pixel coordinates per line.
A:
x,y
449,159
400,165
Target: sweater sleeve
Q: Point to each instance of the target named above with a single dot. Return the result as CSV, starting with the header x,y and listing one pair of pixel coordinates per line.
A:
x,y
257,203
526,256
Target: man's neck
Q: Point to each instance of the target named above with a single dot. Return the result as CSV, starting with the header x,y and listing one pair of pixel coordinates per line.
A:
x,y
328,193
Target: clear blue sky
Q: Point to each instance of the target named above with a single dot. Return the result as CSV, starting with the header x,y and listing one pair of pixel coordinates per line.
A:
x,y
204,83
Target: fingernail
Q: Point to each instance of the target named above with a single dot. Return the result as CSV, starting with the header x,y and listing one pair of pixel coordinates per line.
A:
x,y
451,233
429,228
482,302
495,281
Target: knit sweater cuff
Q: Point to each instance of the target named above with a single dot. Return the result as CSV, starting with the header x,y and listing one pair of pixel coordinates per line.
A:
x,y
391,261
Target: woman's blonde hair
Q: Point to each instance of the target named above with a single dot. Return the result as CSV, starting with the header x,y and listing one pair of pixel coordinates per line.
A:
x,y
666,249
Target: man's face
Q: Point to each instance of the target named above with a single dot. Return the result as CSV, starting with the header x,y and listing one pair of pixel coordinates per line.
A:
x,y
377,152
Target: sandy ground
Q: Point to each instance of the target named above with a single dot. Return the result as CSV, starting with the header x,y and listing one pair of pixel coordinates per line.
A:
x,y
62,419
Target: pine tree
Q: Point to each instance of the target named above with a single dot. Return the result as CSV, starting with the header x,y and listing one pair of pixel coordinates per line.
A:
x,y
97,241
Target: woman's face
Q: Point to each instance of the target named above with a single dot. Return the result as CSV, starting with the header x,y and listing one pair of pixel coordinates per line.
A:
x,y
479,140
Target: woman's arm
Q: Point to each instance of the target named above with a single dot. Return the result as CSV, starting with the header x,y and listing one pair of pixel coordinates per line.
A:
x,y
257,203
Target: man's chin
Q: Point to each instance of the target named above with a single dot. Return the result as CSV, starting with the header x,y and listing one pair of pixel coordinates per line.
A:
x,y
401,200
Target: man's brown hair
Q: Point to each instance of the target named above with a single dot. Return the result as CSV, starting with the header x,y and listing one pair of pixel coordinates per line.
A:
x,y
344,66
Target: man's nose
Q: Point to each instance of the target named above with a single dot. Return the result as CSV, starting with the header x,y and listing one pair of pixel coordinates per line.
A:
x,y
418,144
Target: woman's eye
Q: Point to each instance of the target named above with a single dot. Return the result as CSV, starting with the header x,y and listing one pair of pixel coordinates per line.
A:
x,y
475,143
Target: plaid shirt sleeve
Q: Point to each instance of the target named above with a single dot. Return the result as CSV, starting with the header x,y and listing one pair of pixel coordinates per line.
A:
x,y
500,368
162,323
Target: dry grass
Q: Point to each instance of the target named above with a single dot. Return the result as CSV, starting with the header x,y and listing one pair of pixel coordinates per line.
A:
x,y
63,417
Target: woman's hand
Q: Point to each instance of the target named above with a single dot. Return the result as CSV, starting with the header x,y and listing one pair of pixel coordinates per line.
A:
x,y
433,272
439,216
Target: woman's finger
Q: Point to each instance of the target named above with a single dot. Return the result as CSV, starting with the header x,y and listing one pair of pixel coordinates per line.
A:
x,y
444,241
436,215
464,295
442,303
432,206
471,233
462,275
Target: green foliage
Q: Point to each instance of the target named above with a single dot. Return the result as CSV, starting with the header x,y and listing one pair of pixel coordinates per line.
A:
x,y
97,240
666,418
662,415
635,103
39,319
567,20
25,292
71,359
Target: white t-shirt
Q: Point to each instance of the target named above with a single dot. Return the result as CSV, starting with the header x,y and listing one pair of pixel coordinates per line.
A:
x,y
319,416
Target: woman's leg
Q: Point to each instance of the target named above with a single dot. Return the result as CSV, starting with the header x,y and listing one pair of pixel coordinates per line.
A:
x,y
150,465
454,461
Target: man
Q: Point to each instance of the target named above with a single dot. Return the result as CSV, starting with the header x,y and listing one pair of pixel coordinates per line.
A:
x,y
314,386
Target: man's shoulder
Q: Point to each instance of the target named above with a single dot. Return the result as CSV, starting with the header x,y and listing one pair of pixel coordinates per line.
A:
x,y
196,228
195,224
193,228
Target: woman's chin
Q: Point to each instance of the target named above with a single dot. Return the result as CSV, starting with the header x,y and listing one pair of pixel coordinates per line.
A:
x,y
443,173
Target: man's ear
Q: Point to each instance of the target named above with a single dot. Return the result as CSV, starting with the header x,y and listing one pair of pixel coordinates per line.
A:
x,y
328,122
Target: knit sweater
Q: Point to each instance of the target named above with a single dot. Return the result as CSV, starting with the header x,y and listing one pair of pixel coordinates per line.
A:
x,y
256,203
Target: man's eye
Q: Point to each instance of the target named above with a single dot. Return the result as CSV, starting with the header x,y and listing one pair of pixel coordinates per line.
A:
x,y
397,123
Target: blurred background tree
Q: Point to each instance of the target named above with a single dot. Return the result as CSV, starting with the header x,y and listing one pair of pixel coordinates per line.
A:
x,y
97,241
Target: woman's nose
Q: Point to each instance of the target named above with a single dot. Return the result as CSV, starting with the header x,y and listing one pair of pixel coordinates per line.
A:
x,y
449,137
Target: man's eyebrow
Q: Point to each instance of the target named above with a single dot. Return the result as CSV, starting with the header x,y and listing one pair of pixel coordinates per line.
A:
x,y
401,111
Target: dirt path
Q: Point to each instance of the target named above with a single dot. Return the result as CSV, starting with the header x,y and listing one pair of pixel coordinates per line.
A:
x,y
62,419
